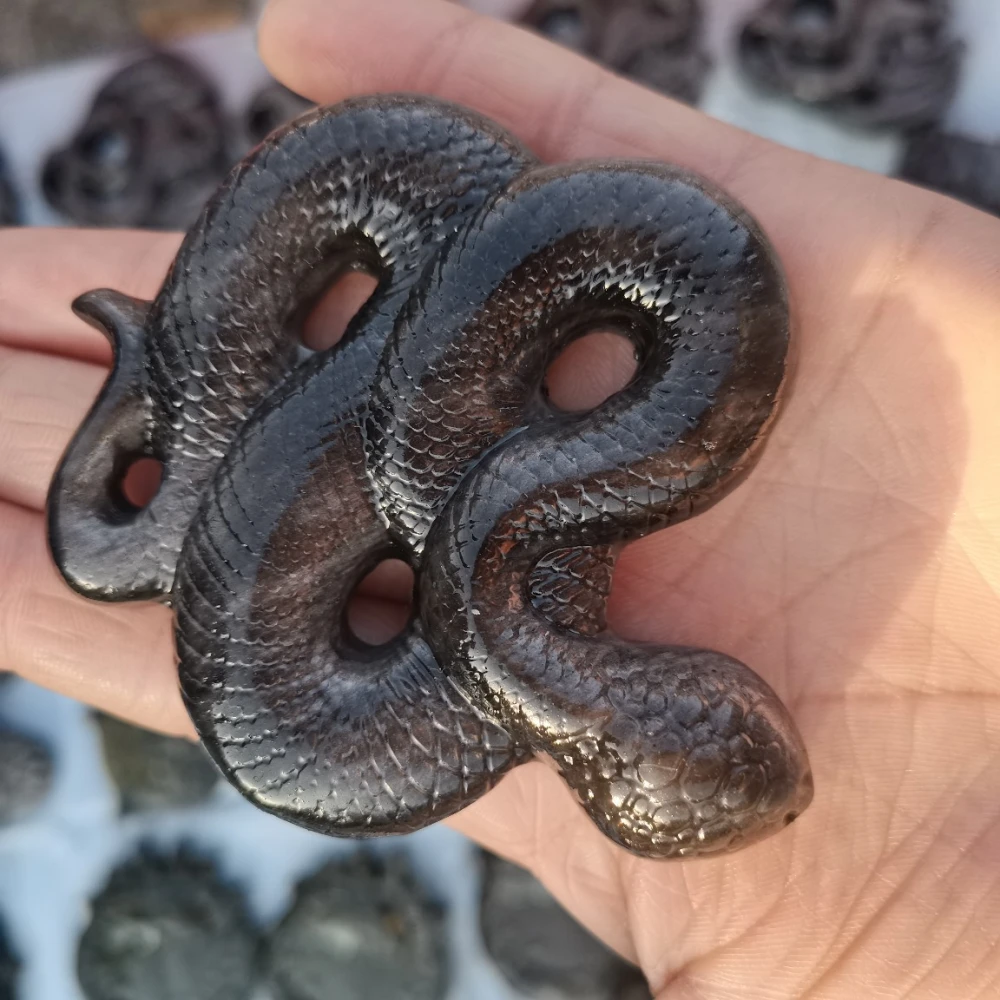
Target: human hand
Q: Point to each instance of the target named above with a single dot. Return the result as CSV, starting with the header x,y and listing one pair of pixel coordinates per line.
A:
x,y
857,569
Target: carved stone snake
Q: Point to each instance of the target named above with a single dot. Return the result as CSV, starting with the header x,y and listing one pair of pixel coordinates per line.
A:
x,y
426,434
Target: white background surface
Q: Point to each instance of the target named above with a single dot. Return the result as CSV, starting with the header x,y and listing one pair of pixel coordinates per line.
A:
x,y
51,865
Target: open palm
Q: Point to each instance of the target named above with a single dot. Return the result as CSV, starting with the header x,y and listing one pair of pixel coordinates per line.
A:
x,y
858,569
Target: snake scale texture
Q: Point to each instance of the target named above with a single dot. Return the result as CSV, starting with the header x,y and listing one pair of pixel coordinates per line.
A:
x,y
426,434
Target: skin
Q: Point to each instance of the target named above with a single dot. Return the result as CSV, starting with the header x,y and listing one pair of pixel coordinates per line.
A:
x,y
858,568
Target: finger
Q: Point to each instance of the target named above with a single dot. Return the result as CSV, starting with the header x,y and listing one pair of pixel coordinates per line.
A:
x,y
557,101
45,269
43,398
117,658
567,108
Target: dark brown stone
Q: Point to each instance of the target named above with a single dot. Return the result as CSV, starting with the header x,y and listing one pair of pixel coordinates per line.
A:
x,y
265,518
882,62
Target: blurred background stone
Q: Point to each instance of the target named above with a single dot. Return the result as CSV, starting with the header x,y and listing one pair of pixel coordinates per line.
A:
x,y
360,929
880,62
955,165
541,950
166,927
154,146
655,42
658,43
153,771
25,775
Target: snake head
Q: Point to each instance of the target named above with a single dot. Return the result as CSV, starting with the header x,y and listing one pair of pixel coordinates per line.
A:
x,y
696,755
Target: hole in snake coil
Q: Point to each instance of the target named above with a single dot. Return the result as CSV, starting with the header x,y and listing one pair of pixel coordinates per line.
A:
x,y
141,481
380,606
336,307
589,370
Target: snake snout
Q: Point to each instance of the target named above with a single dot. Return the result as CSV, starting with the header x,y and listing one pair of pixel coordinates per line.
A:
x,y
698,757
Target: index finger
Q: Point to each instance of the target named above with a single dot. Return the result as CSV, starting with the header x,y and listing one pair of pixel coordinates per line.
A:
x,y
43,270
567,108
558,102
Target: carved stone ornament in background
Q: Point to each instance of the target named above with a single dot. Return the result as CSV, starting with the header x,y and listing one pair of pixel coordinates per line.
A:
x,y
655,42
152,149
540,949
10,205
165,927
425,435
365,925
966,168
881,62
153,771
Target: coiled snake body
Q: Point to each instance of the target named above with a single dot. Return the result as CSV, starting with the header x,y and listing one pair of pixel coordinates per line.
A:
x,y
425,434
